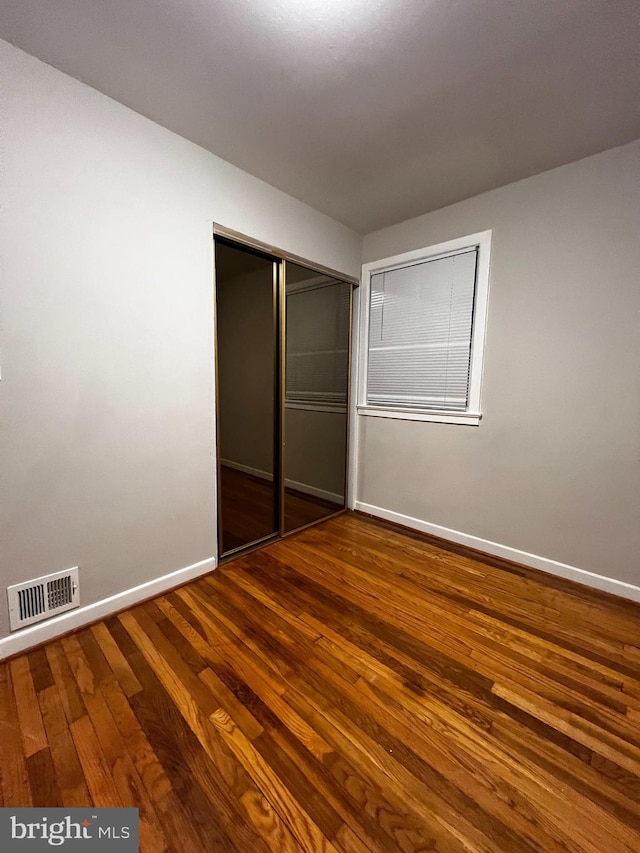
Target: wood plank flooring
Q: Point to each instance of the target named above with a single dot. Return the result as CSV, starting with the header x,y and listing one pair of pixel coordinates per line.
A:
x,y
348,689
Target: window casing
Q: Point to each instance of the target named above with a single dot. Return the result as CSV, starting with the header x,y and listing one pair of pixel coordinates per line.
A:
x,y
422,330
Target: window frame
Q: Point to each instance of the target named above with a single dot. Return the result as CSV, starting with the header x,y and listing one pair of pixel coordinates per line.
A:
x,y
473,413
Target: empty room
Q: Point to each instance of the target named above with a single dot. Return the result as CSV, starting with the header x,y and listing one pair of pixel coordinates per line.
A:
x,y
320,426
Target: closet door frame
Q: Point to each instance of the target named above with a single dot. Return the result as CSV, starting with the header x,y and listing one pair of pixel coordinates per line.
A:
x,y
280,259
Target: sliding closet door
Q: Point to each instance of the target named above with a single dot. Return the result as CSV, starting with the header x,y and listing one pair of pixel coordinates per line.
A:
x,y
247,390
317,337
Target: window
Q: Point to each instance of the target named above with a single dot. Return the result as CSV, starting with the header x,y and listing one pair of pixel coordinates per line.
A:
x,y
422,332
317,318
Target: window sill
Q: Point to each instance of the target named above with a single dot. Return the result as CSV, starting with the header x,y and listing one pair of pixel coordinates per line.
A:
x,y
439,417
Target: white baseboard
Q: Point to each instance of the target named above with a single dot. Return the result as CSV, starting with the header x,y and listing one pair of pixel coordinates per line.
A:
x,y
562,570
314,492
290,484
247,469
74,619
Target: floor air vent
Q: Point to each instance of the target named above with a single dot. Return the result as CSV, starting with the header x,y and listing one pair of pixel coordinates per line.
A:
x,y
43,597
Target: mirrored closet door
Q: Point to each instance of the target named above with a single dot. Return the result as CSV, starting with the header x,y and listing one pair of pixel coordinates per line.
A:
x,y
282,385
247,392
317,337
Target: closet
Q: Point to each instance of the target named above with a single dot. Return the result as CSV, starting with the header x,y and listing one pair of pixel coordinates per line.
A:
x,y
282,355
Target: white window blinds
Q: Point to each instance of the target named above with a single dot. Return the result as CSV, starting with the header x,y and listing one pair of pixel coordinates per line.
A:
x,y
420,325
317,366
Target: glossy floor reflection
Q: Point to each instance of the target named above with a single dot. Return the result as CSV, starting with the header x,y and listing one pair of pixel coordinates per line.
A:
x,y
247,508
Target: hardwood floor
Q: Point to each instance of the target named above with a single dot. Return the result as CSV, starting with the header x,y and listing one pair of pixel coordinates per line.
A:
x,y
351,688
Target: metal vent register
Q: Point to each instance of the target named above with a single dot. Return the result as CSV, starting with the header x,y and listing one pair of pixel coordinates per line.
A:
x,y
43,597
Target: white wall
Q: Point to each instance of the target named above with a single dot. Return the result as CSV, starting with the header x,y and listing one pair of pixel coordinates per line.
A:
x,y
554,467
107,378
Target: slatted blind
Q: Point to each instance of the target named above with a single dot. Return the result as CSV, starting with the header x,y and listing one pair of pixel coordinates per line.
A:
x,y
317,344
420,326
